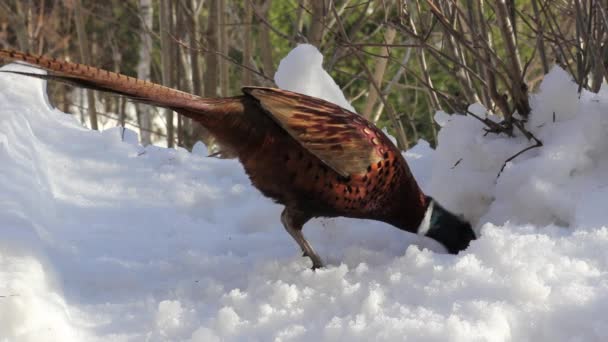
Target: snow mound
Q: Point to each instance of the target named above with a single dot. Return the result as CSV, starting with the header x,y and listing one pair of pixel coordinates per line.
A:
x,y
105,240
559,183
302,71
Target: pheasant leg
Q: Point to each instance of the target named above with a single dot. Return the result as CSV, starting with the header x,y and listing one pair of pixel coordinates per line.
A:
x,y
293,221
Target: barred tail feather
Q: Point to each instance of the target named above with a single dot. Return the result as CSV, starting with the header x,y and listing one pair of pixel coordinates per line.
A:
x,y
104,80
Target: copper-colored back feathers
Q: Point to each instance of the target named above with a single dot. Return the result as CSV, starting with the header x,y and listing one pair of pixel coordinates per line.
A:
x,y
343,140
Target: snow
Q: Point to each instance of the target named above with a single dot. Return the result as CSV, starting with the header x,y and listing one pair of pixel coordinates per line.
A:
x,y
106,240
302,71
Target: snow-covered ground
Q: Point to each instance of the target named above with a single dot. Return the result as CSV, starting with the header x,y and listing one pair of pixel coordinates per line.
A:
x,y
105,240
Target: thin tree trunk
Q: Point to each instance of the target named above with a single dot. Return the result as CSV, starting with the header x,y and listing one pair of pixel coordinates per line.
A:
x,y
540,41
65,99
146,11
397,125
478,39
122,110
433,98
317,22
223,43
247,78
18,22
211,60
519,88
380,69
83,44
454,49
485,34
81,104
166,57
179,79
194,60
298,23
391,83
194,130
265,44
116,100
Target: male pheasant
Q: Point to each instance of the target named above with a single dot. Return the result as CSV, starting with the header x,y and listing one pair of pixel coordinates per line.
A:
x,y
312,156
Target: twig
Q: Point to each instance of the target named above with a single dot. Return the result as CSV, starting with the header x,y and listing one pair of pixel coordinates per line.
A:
x,y
401,137
538,143
226,57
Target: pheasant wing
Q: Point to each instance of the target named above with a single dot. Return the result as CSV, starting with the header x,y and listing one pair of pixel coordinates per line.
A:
x,y
343,140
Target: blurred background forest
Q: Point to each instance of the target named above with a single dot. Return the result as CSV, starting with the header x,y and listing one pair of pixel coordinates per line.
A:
x,y
397,61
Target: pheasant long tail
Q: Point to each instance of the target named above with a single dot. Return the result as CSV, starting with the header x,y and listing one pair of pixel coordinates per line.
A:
x,y
103,80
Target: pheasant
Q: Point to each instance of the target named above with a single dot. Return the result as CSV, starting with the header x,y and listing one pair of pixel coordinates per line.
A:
x,y
314,157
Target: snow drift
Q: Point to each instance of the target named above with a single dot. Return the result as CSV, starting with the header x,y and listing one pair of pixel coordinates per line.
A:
x,y
103,239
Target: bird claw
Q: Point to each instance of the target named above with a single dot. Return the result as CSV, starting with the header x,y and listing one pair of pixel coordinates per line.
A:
x,y
296,232
316,261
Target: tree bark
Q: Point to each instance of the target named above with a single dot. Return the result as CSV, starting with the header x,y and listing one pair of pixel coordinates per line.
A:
x,y
211,61
317,22
192,8
298,23
518,85
178,70
18,22
194,60
247,78
265,44
379,70
146,11
166,57
223,43
83,44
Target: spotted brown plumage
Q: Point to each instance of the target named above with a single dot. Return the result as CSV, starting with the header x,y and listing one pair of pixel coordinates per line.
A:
x,y
312,156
